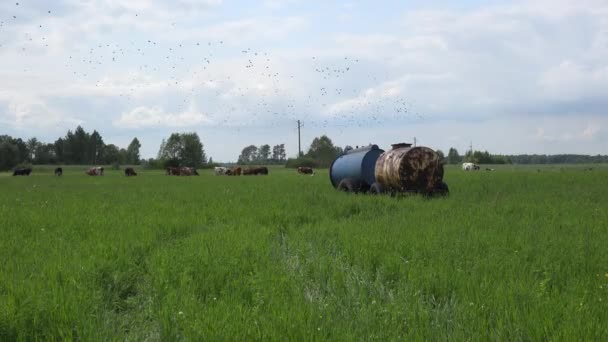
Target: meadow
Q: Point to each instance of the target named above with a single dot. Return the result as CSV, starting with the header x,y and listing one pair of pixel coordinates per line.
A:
x,y
510,255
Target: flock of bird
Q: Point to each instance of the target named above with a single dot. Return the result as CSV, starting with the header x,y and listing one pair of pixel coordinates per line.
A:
x,y
233,86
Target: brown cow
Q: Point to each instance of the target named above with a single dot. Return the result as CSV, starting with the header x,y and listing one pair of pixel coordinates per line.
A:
x,y
187,171
235,171
303,170
130,172
173,171
263,170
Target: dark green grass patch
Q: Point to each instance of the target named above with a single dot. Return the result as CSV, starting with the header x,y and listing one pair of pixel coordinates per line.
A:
x,y
514,254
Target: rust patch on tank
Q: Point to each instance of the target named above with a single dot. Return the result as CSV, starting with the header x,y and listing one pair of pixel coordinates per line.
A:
x,y
409,169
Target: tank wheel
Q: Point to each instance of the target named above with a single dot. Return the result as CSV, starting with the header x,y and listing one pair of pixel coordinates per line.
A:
x,y
443,189
348,185
376,189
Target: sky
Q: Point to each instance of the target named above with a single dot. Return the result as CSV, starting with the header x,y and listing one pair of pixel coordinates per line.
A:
x,y
509,77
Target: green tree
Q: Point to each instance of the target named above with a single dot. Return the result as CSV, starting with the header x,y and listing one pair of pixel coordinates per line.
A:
x,y
248,155
323,151
193,153
133,152
22,148
9,153
95,147
161,150
172,148
185,149
123,155
45,154
111,154
453,156
59,148
276,149
32,146
264,153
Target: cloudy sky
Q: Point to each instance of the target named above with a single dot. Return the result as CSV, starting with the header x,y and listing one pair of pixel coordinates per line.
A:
x,y
508,76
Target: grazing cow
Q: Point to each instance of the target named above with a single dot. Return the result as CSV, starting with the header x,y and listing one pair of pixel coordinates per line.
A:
x,y
22,171
235,171
130,172
182,171
303,170
95,171
220,171
470,167
187,171
58,171
173,171
256,171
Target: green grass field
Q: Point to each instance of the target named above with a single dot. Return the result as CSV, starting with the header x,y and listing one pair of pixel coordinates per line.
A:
x,y
510,255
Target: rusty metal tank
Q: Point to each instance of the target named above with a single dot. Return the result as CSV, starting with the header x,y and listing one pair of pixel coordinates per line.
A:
x,y
409,169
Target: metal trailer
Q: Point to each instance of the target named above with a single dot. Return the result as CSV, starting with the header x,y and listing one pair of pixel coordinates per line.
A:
x,y
409,169
402,169
353,171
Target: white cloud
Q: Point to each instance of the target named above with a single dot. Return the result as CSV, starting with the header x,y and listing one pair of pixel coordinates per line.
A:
x,y
574,80
28,112
141,117
591,131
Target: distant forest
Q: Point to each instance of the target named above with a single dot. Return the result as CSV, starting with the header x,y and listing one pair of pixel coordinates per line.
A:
x,y
77,147
80,147
485,157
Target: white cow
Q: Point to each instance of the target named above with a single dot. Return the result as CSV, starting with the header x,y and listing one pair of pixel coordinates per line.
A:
x,y
470,167
219,171
95,171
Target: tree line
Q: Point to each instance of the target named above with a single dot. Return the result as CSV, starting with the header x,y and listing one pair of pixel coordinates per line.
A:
x,y
78,147
485,157
263,154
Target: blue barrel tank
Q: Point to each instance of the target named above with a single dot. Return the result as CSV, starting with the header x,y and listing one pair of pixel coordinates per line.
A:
x,y
358,164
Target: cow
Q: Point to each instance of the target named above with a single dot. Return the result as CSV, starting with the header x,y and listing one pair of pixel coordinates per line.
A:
x,y
256,171
470,167
173,171
181,171
187,171
58,171
235,171
303,170
95,171
130,172
22,171
220,171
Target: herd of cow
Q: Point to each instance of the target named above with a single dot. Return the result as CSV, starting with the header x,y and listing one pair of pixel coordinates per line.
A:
x,y
181,171
175,171
238,171
473,167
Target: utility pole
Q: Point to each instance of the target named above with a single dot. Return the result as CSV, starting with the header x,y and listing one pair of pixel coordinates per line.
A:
x,y
414,141
299,146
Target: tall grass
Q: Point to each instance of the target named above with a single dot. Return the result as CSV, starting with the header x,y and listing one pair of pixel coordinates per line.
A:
x,y
514,254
